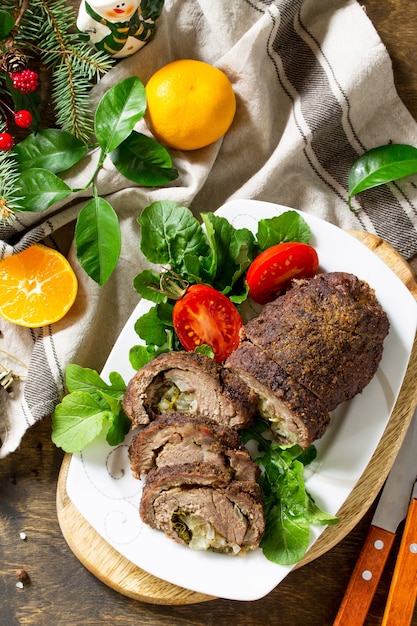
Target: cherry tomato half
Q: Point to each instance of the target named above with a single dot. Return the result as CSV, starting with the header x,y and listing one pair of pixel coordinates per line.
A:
x,y
206,316
271,271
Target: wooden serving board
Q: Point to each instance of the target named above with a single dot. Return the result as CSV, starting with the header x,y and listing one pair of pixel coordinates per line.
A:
x,y
120,574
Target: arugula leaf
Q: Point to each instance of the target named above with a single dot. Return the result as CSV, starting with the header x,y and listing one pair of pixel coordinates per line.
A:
x,y
289,509
232,251
154,326
118,429
169,232
288,226
117,384
205,349
77,421
140,355
92,406
146,284
219,232
287,532
79,378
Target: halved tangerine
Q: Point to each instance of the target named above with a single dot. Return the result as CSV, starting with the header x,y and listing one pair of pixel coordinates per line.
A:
x,y
37,286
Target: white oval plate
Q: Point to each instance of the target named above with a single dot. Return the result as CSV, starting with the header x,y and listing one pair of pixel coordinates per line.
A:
x,y
101,487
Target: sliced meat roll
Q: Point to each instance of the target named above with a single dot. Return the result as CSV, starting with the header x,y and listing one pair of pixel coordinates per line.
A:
x,y
189,505
176,439
295,414
326,332
188,382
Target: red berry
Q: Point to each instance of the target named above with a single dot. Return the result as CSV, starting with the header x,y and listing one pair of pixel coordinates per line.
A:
x,y
23,118
6,141
26,80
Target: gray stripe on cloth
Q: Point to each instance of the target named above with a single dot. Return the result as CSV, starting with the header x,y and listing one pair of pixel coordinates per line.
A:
x,y
45,381
329,144
33,236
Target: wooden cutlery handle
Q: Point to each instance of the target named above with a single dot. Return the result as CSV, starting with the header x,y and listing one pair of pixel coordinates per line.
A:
x,y
402,594
365,578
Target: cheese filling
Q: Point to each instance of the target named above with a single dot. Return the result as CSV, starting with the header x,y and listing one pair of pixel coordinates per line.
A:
x,y
200,534
277,422
171,398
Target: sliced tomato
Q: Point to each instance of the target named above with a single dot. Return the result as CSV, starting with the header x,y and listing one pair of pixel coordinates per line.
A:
x,y
206,316
271,271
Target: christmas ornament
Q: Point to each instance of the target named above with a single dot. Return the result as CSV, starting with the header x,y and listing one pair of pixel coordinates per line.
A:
x,y
118,27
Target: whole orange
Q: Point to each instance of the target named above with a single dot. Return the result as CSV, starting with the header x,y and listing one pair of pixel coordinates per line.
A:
x,y
190,104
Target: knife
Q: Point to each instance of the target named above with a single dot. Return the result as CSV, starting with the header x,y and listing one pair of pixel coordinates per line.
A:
x,y
390,512
403,590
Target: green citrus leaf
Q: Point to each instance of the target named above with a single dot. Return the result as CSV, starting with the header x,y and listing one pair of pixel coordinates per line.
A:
x,y
97,239
51,149
143,160
6,24
40,189
381,165
121,107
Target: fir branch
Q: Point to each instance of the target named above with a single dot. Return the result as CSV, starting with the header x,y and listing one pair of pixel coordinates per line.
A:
x,y
71,66
47,29
10,198
73,107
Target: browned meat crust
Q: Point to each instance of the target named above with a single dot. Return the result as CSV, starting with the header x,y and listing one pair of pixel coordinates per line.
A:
x,y
212,393
299,414
333,299
175,439
233,508
326,332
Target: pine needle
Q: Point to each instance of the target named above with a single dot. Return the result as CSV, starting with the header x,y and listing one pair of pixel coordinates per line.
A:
x,y
47,29
10,200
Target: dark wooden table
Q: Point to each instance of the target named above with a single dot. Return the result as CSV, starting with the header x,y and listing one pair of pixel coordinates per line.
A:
x,y
63,592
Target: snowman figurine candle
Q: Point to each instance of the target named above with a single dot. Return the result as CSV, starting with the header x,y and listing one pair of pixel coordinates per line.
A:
x,y
120,27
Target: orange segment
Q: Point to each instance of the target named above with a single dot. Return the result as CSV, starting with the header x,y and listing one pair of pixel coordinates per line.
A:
x,y
37,287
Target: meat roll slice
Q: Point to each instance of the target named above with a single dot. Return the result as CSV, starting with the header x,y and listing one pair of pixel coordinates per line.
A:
x,y
295,414
326,332
188,382
176,439
192,509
